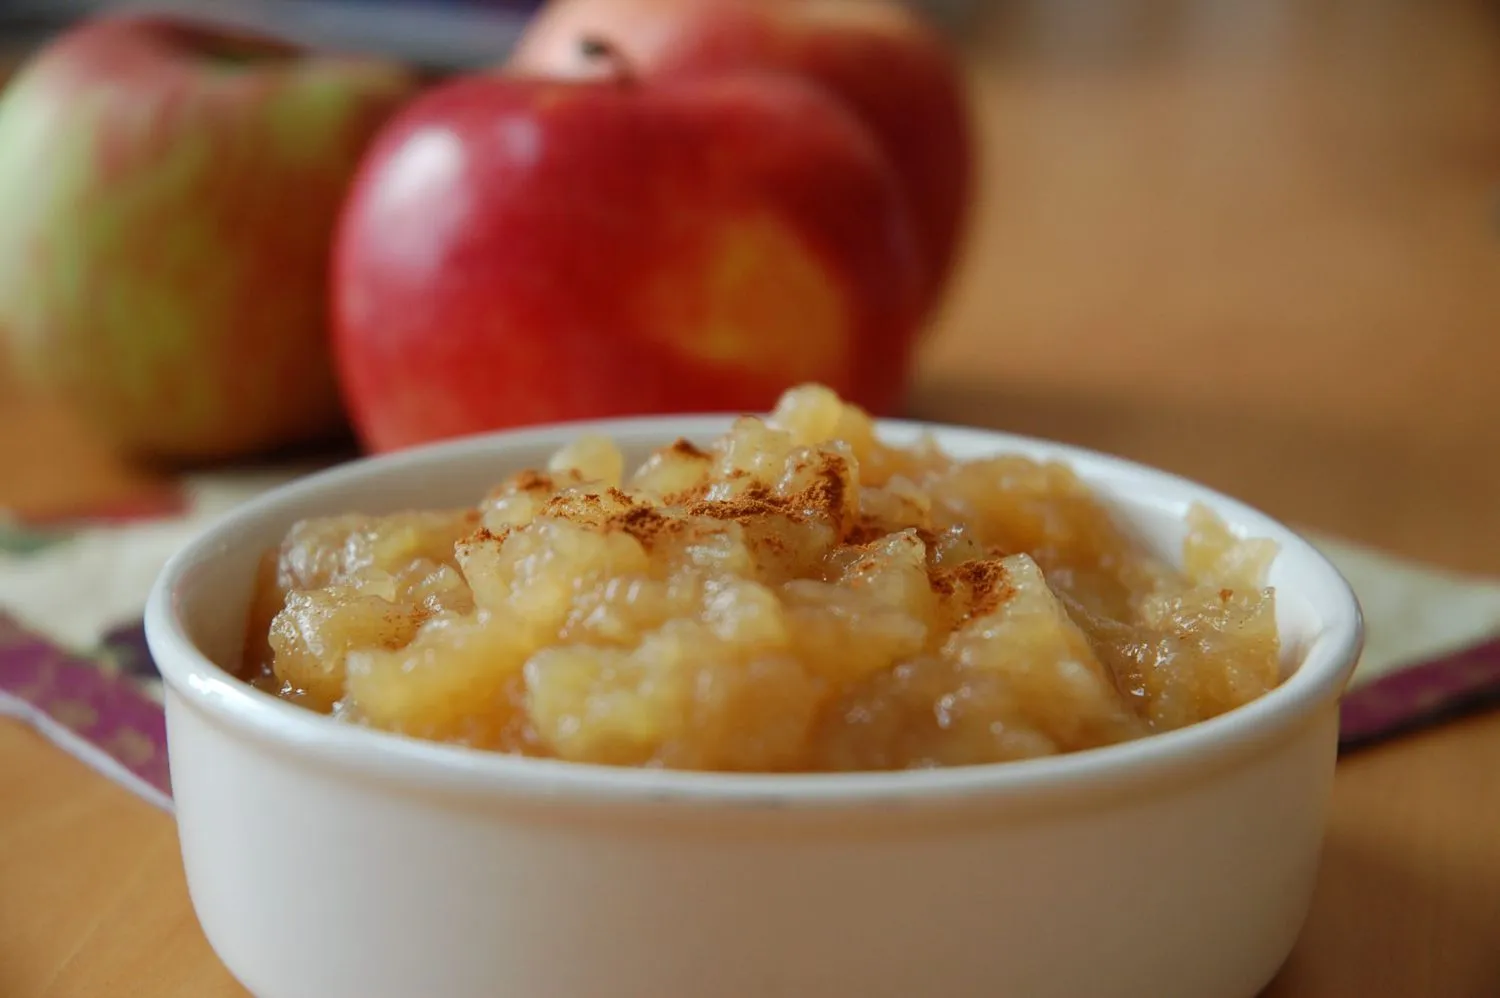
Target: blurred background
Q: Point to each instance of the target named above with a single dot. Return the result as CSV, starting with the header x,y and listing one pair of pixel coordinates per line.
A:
x,y
1253,242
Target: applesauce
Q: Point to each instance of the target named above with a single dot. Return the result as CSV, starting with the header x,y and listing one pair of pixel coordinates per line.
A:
x,y
796,596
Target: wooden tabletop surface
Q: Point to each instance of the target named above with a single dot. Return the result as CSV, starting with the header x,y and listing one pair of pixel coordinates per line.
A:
x,y
1254,243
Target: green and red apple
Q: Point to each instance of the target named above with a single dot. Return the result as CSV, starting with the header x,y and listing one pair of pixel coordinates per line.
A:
x,y
893,70
169,191
522,250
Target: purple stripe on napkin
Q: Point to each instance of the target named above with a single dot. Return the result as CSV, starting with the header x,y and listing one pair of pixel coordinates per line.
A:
x,y
1421,695
126,649
102,702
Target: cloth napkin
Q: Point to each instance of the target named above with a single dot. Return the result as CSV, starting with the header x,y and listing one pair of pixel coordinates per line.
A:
x,y
74,662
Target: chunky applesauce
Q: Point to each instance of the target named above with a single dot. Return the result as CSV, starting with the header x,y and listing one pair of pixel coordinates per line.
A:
x,y
794,596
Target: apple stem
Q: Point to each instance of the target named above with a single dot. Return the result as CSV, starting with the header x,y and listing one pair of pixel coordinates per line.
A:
x,y
596,50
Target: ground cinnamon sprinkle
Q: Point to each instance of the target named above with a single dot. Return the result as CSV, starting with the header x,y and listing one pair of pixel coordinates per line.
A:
x,y
419,616
686,448
826,499
984,580
865,530
827,495
772,543
733,509
643,523
531,480
483,535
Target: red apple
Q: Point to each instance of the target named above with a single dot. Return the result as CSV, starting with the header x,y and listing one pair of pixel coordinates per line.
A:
x,y
894,71
169,192
518,251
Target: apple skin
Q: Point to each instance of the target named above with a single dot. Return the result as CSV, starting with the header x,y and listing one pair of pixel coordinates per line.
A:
x,y
524,251
169,192
894,70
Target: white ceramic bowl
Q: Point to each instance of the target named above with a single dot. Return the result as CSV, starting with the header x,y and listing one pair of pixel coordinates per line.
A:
x,y
325,860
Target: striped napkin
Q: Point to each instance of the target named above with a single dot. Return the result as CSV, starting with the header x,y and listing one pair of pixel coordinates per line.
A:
x,y
74,662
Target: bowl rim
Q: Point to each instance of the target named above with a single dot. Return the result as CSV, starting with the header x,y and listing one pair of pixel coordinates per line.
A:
x,y
1318,680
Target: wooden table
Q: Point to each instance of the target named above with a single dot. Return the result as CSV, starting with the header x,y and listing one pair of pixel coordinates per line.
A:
x,y
1255,243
